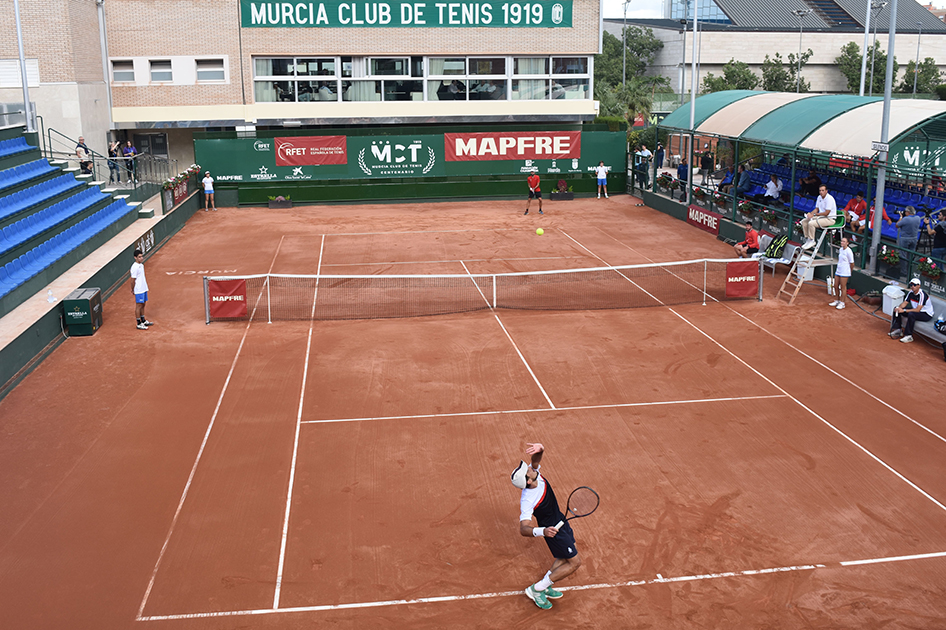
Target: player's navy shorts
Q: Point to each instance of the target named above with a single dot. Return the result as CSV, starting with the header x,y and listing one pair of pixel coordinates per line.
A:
x,y
563,545
535,194
141,298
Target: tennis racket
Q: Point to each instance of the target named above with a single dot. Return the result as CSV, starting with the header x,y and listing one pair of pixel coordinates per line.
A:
x,y
583,501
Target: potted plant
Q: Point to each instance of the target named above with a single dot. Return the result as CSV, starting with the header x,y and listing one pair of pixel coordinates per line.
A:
x,y
664,180
745,207
699,194
280,202
721,199
929,268
562,192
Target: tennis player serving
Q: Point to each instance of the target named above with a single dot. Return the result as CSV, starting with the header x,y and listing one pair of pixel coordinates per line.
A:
x,y
538,500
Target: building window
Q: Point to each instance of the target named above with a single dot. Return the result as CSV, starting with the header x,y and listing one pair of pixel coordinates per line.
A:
x,y
161,71
530,65
123,71
300,79
530,89
569,65
494,66
210,70
388,67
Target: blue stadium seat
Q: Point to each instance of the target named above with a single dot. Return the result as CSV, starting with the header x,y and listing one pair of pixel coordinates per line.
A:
x,y
14,146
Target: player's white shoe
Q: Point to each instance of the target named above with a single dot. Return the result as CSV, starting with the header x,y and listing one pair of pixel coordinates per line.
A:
x,y
834,303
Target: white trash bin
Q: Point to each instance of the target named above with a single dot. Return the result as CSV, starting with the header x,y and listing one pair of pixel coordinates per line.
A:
x,y
893,297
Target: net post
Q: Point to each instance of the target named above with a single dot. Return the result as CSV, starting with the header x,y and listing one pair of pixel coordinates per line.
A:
x,y
206,301
494,291
705,265
269,303
761,278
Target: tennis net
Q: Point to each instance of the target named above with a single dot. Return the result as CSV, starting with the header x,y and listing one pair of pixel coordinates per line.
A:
x,y
329,297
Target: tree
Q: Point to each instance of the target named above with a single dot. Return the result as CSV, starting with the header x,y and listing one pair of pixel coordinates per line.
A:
x,y
642,48
779,76
629,100
849,63
926,81
736,76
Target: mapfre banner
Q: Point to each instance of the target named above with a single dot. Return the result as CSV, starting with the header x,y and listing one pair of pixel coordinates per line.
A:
x,y
512,145
311,150
227,298
742,279
704,219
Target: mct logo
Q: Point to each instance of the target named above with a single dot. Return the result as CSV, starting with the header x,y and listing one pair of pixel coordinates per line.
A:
x,y
395,158
259,145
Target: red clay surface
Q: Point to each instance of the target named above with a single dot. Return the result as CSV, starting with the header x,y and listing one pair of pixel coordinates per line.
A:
x,y
724,439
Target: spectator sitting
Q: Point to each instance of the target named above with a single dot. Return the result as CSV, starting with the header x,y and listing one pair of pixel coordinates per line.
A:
x,y
935,180
810,185
917,307
725,184
743,182
784,160
863,221
773,191
854,209
749,246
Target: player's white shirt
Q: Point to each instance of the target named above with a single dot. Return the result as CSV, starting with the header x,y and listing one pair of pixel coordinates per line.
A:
x,y
208,183
531,497
138,273
845,260
602,172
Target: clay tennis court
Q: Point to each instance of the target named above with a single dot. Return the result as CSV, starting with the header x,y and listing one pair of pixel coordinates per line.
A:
x,y
759,465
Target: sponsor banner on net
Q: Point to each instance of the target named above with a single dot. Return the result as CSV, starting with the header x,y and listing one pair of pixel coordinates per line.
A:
x,y
405,14
227,298
742,278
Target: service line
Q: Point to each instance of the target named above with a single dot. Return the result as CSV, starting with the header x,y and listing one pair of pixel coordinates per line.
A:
x,y
657,579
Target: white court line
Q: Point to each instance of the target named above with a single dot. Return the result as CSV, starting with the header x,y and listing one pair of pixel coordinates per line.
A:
x,y
802,352
203,444
295,443
546,410
423,232
508,336
430,262
657,579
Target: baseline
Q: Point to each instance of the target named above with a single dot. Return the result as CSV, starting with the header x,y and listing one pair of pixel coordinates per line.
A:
x,y
658,579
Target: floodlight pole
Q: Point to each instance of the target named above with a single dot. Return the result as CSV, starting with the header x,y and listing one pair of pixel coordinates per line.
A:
x,y
683,61
624,46
916,64
884,136
696,5
877,6
864,56
801,13
24,81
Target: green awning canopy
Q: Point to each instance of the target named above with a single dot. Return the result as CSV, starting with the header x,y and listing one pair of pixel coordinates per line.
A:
x,y
706,106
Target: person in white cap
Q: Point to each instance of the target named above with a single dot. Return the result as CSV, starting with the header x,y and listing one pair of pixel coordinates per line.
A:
x,y
916,307
538,502
208,182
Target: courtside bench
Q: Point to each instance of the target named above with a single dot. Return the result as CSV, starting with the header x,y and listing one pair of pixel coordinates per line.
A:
x,y
928,330
788,254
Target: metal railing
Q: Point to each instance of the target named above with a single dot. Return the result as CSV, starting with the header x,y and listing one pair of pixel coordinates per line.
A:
x,y
141,176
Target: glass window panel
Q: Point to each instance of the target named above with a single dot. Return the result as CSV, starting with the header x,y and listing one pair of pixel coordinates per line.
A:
x,y
317,90
494,65
570,88
569,65
123,71
266,67
403,90
531,65
446,90
396,67
530,89
446,66
274,91
161,71
312,67
361,90
487,90
346,66
417,66
210,70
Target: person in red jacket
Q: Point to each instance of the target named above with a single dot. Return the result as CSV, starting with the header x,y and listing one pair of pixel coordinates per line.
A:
x,y
748,247
854,209
534,191
862,221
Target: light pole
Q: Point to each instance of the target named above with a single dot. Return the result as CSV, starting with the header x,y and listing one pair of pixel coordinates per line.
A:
x,y
801,13
877,7
624,45
683,61
916,65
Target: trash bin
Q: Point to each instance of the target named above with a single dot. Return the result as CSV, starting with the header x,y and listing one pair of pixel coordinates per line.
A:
x,y
82,312
893,297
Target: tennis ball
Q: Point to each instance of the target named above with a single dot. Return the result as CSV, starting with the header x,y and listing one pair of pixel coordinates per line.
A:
x,y
540,231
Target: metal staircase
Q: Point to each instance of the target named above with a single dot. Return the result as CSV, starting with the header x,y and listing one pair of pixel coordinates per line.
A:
x,y
807,260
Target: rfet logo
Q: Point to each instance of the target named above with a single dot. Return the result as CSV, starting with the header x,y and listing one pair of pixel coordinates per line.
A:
x,y
704,219
388,157
742,279
259,145
311,151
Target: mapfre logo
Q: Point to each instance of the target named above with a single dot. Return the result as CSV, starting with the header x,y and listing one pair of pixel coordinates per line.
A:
x,y
259,145
394,158
227,298
741,279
